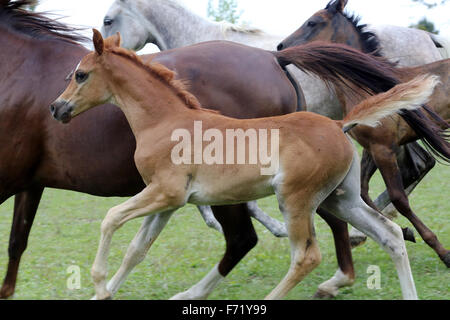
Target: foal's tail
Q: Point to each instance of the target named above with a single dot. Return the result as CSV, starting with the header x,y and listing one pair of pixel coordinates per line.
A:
x,y
406,96
349,68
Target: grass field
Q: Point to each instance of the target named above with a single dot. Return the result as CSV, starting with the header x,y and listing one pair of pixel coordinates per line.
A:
x,y
66,232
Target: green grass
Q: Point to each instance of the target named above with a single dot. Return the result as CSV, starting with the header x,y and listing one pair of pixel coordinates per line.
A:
x,y
66,232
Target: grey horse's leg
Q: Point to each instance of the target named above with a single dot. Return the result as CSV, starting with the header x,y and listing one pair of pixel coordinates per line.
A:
x,y
209,218
276,227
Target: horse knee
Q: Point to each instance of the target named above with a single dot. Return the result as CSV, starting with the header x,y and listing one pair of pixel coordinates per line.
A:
x,y
395,244
310,259
399,200
111,222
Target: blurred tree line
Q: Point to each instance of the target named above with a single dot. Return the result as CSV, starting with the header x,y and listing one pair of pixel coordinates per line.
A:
x,y
224,10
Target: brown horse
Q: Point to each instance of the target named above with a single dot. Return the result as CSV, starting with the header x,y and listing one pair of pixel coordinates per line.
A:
x,y
381,144
85,156
315,163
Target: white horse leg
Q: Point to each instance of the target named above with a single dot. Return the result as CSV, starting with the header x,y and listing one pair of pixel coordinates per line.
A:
x,y
330,288
277,228
203,289
147,202
348,206
138,248
209,218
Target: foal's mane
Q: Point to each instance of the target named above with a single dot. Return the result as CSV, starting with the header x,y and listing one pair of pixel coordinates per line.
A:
x,y
369,40
165,75
13,14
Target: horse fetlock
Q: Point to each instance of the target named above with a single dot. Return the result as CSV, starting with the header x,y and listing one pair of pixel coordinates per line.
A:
x,y
7,291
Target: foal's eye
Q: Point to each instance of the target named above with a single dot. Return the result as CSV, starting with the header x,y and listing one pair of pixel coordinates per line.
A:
x,y
311,24
81,76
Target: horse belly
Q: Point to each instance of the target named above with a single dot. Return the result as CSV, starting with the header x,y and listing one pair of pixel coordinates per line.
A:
x,y
227,186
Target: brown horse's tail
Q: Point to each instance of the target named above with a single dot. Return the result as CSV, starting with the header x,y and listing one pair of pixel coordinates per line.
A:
x,y
406,96
348,68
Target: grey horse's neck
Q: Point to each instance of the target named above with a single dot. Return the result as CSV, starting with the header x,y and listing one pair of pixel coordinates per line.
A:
x,y
174,26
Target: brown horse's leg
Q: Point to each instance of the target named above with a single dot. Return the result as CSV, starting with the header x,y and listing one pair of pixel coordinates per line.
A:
x,y
368,168
414,163
240,238
386,161
345,276
239,234
25,207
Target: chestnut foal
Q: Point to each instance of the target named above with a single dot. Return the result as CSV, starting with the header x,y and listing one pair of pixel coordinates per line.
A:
x,y
316,163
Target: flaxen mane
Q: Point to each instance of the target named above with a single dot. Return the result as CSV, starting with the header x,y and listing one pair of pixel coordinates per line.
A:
x,y
164,74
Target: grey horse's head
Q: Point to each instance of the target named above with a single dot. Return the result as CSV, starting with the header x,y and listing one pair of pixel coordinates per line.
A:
x,y
126,17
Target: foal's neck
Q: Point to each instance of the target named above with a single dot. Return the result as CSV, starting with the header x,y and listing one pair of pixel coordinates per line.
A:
x,y
146,100
175,26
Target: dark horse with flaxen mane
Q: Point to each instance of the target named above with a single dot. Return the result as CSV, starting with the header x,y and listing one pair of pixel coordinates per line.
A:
x,y
37,152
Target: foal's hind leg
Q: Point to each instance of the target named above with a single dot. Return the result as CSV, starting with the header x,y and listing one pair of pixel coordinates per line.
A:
x,y
305,253
25,207
240,237
346,203
386,162
345,276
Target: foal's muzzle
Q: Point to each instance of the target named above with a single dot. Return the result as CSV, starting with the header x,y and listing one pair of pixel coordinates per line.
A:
x,y
61,110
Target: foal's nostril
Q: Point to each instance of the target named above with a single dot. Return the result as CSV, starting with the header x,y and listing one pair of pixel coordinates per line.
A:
x,y
52,109
280,47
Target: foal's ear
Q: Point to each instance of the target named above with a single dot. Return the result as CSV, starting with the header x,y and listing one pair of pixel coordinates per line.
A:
x,y
98,42
336,6
113,41
118,39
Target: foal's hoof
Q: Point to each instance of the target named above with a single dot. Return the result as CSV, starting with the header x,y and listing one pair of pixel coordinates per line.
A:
x,y
408,235
323,295
446,259
356,241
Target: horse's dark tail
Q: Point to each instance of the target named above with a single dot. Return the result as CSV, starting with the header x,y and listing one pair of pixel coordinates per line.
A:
x,y
348,68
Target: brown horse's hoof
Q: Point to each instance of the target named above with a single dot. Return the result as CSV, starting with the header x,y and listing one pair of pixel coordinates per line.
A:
x,y
6,292
446,259
320,294
408,235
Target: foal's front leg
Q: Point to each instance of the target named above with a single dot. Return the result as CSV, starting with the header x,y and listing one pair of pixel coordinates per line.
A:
x,y
138,248
150,201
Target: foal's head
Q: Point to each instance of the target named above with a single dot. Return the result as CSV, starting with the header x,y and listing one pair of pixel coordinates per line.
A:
x,y
88,87
330,24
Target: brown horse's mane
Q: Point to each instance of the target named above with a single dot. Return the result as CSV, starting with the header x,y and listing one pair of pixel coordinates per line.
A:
x,y
164,74
13,14
369,40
